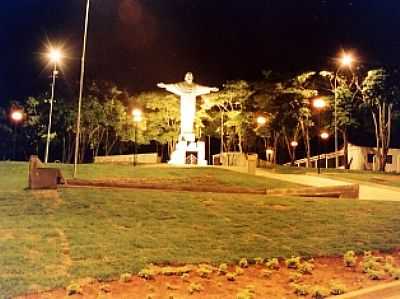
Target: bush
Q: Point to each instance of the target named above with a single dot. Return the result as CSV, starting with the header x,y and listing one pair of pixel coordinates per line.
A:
x,y
266,273
319,292
295,277
222,269
375,274
350,259
337,288
243,263
395,273
239,271
305,268
231,276
272,264
204,271
244,294
195,287
125,277
258,260
74,288
293,262
147,274
300,289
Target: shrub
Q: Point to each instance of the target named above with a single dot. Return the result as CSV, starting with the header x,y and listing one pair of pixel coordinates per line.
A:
x,y
147,274
244,294
125,277
395,273
258,260
295,277
349,259
204,272
305,268
239,271
195,287
319,292
74,288
272,264
293,262
185,277
222,269
370,264
337,288
300,289
243,263
375,274
231,276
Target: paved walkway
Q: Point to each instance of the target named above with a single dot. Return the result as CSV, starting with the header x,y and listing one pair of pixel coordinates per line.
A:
x,y
367,192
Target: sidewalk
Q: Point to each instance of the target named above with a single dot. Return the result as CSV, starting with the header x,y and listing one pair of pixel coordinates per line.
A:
x,y
367,192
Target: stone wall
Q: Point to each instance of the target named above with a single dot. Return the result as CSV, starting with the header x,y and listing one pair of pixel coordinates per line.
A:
x,y
150,158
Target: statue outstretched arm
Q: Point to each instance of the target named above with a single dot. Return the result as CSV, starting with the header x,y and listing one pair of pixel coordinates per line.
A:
x,y
171,88
200,89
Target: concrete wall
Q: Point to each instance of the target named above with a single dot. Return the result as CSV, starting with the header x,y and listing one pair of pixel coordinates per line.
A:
x,y
359,156
151,158
231,159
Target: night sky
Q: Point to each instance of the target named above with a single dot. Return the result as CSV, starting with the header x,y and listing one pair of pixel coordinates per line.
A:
x,y
137,43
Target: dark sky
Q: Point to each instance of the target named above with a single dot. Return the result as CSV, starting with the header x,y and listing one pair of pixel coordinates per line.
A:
x,y
137,43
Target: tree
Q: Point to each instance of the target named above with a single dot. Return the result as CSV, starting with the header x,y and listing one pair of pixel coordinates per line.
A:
x,y
381,94
347,105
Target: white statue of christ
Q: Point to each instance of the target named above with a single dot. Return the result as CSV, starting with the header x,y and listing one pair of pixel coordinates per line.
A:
x,y
188,91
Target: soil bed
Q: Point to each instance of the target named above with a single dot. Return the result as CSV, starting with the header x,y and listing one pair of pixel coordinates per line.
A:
x,y
326,271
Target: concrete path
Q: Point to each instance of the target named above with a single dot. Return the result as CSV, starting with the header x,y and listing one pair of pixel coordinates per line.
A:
x,y
367,192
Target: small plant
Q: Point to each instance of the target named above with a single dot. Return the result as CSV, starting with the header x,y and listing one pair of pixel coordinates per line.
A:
x,y
239,270
195,287
169,271
370,264
272,264
222,269
243,263
185,277
231,276
337,288
319,292
204,272
305,268
375,274
293,262
147,274
350,259
105,288
266,273
258,260
244,294
295,277
395,273
300,289
74,288
125,277
389,260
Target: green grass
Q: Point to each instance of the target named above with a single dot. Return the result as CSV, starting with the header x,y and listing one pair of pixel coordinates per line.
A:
x,y
49,238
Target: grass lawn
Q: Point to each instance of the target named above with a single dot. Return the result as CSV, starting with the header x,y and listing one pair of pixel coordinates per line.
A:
x,y
49,238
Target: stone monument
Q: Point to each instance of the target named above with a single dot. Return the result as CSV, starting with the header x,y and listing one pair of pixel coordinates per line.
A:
x,y
188,151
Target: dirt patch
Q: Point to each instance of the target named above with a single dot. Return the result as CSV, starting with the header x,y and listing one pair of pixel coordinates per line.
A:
x,y
214,285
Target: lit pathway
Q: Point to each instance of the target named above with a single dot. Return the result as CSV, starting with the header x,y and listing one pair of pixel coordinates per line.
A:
x,y
367,191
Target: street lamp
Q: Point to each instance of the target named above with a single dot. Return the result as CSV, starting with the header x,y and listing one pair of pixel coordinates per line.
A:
x,y
319,104
324,136
17,115
54,56
346,60
137,118
261,120
294,144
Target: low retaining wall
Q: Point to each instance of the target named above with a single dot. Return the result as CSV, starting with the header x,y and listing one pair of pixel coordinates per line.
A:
x,y
230,159
345,191
150,158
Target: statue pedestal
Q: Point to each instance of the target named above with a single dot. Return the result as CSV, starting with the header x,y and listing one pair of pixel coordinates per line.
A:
x,y
189,153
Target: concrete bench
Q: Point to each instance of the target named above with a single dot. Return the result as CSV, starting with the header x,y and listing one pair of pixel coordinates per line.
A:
x,y
43,178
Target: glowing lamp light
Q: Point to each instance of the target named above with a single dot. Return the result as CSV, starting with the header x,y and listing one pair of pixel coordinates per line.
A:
x,y
294,143
17,115
346,60
137,115
269,151
319,103
55,55
324,135
261,120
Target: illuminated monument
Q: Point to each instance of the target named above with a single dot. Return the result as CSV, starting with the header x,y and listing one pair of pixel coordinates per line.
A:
x,y
188,151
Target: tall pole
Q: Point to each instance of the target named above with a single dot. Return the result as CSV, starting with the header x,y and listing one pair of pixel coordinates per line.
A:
x,y
135,147
319,141
78,121
336,135
15,142
53,84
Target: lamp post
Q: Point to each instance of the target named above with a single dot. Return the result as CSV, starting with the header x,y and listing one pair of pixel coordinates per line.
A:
x,y
55,57
261,121
78,120
345,60
324,136
294,144
137,118
319,104
17,115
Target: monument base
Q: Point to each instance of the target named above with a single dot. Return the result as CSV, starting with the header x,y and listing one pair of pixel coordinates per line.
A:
x,y
189,153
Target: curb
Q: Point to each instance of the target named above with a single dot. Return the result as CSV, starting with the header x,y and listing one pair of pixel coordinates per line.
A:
x,y
389,290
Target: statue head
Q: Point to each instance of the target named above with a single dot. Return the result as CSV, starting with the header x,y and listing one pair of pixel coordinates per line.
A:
x,y
189,78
